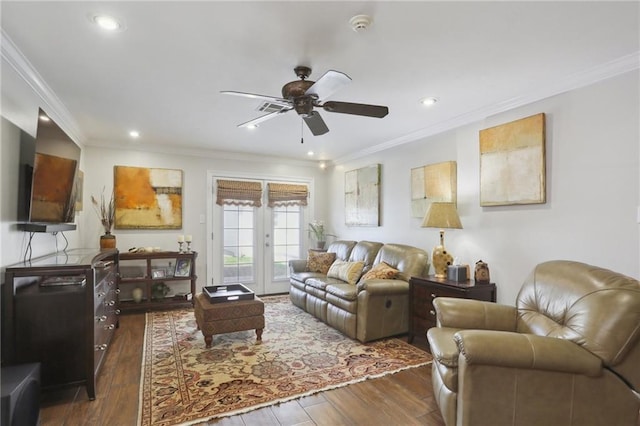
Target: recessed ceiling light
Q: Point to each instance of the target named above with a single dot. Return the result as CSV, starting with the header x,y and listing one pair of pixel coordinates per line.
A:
x,y
252,126
429,101
310,153
134,134
44,118
107,22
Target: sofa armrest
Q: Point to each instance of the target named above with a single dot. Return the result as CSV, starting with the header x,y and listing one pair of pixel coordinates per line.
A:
x,y
383,286
298,265
526,351
474,314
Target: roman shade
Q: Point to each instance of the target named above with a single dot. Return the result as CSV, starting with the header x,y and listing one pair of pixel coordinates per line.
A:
x,y
239,193
285,194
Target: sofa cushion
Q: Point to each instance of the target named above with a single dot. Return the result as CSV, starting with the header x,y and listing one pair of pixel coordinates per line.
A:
x,y
321,281
349,272
304,276
342,248
319,261
365,251
343,291
381,271
410,261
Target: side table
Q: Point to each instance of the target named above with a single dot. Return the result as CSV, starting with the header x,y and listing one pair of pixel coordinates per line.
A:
x,y
422,291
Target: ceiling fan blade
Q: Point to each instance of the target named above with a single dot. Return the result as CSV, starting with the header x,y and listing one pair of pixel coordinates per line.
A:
x,y
328,84
377,111
316,124
260,119
280,101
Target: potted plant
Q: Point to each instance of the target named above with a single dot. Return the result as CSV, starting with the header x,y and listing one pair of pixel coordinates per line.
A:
x,y
106,211
317,231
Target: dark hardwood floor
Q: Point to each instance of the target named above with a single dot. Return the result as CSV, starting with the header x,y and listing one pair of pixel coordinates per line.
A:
x,y
404,398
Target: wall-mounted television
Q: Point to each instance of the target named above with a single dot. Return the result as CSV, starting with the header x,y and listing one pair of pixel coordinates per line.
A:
x,y
47,183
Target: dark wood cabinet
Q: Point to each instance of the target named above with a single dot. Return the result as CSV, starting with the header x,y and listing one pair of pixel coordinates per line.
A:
x,y
144,272
422,291
61,310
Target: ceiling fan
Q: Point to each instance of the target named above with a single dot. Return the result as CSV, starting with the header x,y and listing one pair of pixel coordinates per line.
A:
x,y
304,95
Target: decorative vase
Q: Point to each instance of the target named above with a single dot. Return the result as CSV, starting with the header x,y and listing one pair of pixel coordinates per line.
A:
x,y
320,244
107,241
137,295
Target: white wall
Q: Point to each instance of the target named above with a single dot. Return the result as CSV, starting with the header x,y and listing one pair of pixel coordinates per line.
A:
x,y
14,243
593,187
99,174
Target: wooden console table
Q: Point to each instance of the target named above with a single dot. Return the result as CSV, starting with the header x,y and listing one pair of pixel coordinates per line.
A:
x,y
422,291
143,272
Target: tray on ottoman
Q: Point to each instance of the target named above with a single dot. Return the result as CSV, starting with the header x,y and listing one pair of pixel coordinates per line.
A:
x,y
227,293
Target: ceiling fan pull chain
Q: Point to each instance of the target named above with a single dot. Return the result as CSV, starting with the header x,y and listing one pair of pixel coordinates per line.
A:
x,y
301,130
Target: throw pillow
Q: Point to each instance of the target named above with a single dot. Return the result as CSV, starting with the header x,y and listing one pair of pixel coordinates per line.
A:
x,y
381,271
318,261
346,271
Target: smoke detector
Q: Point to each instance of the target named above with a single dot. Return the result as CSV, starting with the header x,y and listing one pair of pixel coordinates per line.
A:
x,y
360,23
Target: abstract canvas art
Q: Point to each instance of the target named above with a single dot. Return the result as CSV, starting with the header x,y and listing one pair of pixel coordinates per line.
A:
x,y
433,183
512,163
362,196
147,198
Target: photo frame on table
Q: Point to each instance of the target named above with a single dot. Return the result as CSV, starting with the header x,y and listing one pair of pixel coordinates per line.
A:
x,y
158,273
183,268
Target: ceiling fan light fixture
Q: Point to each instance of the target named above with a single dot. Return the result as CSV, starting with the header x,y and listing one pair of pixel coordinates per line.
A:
x,y
360,23
429,101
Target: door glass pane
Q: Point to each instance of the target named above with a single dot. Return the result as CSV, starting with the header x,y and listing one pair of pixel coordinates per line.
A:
x,y
238,244
286,239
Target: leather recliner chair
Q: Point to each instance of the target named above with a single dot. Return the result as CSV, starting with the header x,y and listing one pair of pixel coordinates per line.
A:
x,y
568,353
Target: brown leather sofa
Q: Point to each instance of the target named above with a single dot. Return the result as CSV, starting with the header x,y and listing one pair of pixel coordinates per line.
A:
x,y
568,353
372,308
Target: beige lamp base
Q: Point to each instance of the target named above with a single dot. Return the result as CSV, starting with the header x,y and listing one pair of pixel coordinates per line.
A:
x,y
441,259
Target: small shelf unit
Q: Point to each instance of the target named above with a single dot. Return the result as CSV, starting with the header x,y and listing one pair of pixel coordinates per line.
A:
x,y
146,271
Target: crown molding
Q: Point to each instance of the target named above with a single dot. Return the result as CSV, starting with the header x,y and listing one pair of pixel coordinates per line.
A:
x,y
574,81
205,153
54,107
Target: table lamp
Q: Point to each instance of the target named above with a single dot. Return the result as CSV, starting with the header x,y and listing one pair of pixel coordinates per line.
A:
x,y
441,215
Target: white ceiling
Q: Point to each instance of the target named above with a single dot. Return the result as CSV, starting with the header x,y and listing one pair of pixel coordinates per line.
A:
x,y
162,75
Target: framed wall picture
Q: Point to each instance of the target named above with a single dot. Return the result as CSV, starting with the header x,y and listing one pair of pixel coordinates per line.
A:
x,y
512,163
433,183
147,198
183,268
362,196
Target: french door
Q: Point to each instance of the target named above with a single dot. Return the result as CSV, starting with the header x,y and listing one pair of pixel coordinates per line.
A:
x,y
253,245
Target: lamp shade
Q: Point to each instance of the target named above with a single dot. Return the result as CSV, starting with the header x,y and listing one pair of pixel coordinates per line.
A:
x,y
442,215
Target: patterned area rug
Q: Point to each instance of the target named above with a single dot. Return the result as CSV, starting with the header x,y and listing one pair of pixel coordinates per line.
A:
x,y
185,383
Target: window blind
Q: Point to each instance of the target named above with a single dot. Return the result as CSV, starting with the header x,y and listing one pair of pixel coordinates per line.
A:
x,y
239,193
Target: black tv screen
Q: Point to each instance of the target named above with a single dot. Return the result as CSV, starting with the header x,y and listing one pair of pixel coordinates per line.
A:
x,y
48,175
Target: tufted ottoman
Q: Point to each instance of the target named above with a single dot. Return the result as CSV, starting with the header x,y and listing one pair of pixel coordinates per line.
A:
x,y
227,317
